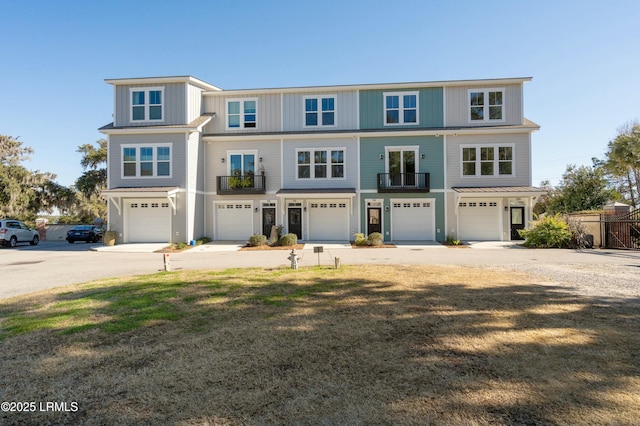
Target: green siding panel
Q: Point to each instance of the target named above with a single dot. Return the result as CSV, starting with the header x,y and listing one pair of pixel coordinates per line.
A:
x,y
431,108
370,163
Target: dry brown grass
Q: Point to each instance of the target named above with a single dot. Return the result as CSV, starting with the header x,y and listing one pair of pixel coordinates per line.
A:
x,y
359,345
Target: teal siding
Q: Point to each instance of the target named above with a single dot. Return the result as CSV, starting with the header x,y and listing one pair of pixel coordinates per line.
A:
x,y
431,146
431,108
386,217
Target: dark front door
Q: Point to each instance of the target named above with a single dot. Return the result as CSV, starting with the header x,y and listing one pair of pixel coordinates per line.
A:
x,y
268,220
295,221
517,222
374,224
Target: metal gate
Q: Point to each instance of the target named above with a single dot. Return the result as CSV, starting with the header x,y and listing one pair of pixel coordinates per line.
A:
x,y
621,231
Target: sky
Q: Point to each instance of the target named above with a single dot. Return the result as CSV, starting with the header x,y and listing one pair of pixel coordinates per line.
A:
x,y
582,55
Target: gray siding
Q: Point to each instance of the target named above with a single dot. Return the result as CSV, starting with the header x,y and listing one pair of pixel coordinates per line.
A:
x,y
178,164
268,113
457,105
195,162
175,108
269,150
346,115
521,164
290,163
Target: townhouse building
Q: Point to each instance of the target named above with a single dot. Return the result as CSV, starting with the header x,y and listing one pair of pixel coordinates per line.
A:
x,y
413,161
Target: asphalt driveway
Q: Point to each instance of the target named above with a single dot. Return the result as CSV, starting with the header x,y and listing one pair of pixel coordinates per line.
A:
x,y
28,269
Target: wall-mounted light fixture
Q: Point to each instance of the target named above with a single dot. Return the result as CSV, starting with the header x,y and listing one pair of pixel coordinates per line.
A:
x,y
506,208
422,156
260,159
386,208
256,210
305,208
382,156
222,160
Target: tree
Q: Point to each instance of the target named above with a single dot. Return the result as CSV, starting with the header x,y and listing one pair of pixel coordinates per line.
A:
x,y
22,192
622,161
581,188
89,202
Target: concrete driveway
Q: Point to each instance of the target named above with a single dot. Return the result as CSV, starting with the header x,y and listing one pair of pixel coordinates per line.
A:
x,y
52,264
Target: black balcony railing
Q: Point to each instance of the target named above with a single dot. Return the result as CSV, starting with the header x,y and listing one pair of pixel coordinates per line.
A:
x,y
403,182
243,184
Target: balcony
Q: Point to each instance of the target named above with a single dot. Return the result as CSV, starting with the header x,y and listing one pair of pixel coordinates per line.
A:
x,y
242,184
403,182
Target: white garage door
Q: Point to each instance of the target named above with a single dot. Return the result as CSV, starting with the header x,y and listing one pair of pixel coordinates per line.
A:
x,y
148,221
328,220
413,220
479,219
234,221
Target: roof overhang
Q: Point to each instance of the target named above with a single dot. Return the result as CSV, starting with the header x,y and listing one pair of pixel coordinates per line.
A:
x,y
172,79
115,195
195,126
317,193
499,191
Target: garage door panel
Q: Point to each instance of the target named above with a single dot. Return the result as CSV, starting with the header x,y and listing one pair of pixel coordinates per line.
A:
x,y
329,220
479,220
413,220
234,221
148,221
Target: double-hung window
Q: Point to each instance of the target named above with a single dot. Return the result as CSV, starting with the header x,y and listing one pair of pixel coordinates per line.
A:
x,y
242,113
492,160
147,104
320,164
400,108
149,160
319,111
486,105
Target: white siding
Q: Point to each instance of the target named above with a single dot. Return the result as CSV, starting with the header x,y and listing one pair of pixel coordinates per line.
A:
x,y
194,103
268,117
521,163
457,105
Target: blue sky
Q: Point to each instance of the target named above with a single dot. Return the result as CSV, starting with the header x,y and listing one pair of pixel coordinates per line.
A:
x,y
582,55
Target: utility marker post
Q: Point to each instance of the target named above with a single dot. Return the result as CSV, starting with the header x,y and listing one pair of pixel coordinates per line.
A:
x,y
318,250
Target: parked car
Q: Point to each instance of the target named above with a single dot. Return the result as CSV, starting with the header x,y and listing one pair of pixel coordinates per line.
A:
x,y
87,233
13,232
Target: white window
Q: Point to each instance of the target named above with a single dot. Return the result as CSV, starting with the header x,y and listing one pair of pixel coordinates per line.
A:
x,y
242,113
400,108
149,160
320,111
491,160
147,104
320,163
486,105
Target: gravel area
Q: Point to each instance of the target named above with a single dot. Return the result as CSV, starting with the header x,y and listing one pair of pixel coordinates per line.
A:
x,y
609,281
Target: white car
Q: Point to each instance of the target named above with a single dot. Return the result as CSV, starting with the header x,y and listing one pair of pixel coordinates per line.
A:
x,y
13,232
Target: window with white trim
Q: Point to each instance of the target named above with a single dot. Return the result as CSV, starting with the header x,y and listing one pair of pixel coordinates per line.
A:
x,y
486,105
148,160
320,163
147,104
400,108
490,160
319,111
242,113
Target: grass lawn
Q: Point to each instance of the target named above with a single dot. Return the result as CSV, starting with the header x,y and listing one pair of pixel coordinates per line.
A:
x,y
357,345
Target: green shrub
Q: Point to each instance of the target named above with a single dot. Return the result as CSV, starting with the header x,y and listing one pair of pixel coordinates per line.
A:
x,y
360,240
550,231
257,240
203,240
452,241
288,240
375,239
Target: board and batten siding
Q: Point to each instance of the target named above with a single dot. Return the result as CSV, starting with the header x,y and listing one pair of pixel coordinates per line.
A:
x,y
175,108
194,102
346,111
178,160
217,150
290,161
372,148
521,164
195,166
430,108
268,113
457,101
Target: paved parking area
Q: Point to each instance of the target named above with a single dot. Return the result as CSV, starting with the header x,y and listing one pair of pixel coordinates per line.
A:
x,y
52,264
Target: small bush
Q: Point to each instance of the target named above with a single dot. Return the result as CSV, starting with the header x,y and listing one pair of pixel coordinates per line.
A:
x,y
375,239
360,240
452,241
550,231
288,240
257,240
203,240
